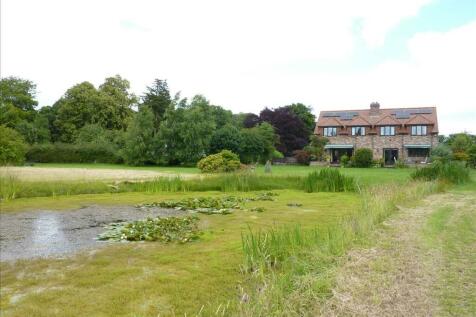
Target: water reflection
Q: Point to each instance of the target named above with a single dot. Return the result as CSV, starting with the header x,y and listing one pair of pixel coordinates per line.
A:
x,y
47,235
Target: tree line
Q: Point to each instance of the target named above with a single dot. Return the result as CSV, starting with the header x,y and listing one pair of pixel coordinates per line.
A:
x,y
110,124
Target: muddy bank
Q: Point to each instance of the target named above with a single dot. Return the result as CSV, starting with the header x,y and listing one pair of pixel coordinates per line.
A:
x,y
44,233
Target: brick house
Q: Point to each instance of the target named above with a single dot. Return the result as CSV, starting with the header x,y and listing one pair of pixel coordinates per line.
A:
x,y
394,133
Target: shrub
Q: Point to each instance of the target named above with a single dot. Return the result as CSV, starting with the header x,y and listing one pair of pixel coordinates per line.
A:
x,y
441,153
461,156
328,180
401,164
302,156
344,160
452,172
12,147
472,156
362,158
72,153
277,155
225,161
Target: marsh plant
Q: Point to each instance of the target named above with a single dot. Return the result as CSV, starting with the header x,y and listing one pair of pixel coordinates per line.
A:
x,y
212,205
172,229
452,172
329,180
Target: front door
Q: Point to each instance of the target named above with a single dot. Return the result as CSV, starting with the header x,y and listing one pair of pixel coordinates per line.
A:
x,y
390,156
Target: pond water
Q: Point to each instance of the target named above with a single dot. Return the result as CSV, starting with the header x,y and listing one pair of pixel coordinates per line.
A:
x,y
46,233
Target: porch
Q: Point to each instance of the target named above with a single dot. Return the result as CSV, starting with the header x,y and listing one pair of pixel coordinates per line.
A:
x,y
336,151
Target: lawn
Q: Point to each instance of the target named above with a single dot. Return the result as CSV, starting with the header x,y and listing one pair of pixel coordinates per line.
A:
x,y
148,278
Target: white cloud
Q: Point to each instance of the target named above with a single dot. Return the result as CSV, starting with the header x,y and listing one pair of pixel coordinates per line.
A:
x,y
239,54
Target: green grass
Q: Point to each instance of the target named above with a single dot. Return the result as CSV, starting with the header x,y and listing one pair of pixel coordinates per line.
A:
x,y
296,264
288,177
365,175
453,232
148,278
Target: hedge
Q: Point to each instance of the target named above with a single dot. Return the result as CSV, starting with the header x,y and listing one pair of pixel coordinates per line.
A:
x,y
72,153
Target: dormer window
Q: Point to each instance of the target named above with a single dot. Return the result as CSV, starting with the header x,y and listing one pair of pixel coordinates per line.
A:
x,y
387,130
358,130
419,130
330,131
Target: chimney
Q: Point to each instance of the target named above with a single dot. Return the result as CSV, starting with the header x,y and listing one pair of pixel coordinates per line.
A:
x,y
374,109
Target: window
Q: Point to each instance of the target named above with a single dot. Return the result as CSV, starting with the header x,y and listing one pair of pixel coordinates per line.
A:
x,y
419,130
358,130
418,152
331,131
388,130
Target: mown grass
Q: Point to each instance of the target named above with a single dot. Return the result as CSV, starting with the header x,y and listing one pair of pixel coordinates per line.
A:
x,y
146,279
452,231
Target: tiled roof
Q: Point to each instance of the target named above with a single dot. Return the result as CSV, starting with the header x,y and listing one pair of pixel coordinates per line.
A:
x,y
387,116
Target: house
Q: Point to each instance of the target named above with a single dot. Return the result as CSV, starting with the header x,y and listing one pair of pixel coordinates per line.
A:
x,y
392,134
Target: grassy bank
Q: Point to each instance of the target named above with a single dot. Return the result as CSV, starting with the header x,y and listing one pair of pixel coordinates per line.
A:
x,y
293,268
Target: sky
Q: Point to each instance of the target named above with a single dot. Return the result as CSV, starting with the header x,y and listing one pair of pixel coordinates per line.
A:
x,y
247,55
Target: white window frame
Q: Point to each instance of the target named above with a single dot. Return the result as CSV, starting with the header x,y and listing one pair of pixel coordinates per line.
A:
x,y
330,131
419,130
355,129
388,130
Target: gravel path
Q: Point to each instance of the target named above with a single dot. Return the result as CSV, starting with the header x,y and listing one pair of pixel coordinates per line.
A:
x,y
45,233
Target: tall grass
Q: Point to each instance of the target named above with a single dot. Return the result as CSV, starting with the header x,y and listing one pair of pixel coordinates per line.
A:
x,y
329,180
292,267
12,188
452,172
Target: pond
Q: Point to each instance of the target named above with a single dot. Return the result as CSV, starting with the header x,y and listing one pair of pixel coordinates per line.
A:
x,y
46,233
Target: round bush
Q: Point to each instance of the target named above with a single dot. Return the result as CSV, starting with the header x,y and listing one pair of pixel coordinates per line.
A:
x,y
362,158
302,157
12,147
225,161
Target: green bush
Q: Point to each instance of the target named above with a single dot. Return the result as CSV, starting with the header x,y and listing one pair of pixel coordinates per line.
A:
x,y
344,160
472,156
277,155
441,153
12,147
225,161
452,172
72,153
362,158
329,180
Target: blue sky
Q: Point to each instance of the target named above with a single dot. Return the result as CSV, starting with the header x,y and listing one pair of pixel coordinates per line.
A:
x,y
250,54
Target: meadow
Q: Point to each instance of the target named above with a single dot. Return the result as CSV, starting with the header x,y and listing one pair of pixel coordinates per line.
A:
x,y
278,262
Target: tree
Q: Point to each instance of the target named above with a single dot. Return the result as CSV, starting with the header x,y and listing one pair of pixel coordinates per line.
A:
x,y
316,147
252,145
185,133
293,134
227,137
19,93
157,98
109,106
250,120
304,113
12,146
116,101
472,156
36,131
139,148
441,153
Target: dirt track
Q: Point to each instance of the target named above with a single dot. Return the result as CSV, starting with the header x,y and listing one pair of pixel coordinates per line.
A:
x,y
84,174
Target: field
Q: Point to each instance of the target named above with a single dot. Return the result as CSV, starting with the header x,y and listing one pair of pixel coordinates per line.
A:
x,y
210,276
